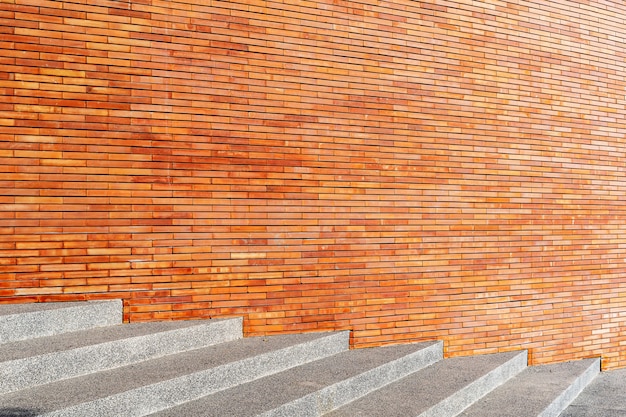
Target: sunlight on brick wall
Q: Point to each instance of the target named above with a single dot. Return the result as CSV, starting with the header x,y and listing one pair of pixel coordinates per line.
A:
x,y
408,170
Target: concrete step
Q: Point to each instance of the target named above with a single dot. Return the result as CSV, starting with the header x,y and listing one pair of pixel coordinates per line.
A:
x,y
157,384
603,397
75,359
317,387
33,362
539,391
443,389
27,321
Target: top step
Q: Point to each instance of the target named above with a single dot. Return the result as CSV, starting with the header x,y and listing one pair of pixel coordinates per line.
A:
x,y
29,321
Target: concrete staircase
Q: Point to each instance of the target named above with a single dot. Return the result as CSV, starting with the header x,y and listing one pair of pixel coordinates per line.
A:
x,y
77,359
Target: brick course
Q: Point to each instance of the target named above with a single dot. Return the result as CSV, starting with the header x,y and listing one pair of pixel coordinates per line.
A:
x,y
408,170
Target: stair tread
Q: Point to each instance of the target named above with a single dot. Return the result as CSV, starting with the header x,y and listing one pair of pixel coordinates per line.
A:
x,y
274,391
89,337
532,391
423,390
185,368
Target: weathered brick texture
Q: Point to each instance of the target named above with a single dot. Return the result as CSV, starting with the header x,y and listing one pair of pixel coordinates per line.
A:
x,y
405,169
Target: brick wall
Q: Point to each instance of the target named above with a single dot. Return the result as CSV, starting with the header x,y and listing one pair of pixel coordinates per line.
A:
x,y
405,169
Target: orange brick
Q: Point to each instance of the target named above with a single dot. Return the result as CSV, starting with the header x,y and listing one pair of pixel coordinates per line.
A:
x,y
230,159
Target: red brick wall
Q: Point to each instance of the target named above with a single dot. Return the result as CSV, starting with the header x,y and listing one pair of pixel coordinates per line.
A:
x,y
405,169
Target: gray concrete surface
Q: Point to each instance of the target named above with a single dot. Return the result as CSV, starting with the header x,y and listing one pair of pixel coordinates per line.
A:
x,y
40,361
98,368
538,391
317,387
442,389
25,321
605,396
156,384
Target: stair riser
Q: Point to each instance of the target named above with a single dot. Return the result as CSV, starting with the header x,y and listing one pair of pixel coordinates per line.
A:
x,y
58,318
159,396
29,372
